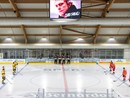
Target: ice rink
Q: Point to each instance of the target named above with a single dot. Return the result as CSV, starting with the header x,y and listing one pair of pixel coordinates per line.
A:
x,y
94,79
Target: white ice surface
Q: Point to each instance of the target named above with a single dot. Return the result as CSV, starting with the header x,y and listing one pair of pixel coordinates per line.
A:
x,y
57,78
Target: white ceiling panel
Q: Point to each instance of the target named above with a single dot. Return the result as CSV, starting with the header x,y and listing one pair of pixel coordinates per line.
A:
x,y
109,30
92,14
37,30
17,30
5,5
124,31
121,5
53,30
34,14
54,39
9,14
90,5
20,39
2,14
118,14
6,31
90,30
37,5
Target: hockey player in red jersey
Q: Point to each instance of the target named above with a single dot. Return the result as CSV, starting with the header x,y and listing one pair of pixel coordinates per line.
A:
x,y
110,66
113,68
124,73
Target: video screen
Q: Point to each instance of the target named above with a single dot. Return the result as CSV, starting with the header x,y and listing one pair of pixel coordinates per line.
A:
x,y
65,9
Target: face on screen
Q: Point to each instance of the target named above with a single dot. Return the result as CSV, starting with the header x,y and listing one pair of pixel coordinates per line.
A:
x,y
62,6
65,9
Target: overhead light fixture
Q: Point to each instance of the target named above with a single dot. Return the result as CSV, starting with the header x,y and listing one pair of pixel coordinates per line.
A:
x,y
8,39
111,39
43,40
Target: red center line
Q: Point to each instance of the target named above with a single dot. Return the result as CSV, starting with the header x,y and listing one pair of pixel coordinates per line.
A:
x,y
65,80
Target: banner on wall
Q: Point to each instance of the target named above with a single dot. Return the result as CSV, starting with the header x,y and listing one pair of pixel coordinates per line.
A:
x,y
114,60
12,60
127,60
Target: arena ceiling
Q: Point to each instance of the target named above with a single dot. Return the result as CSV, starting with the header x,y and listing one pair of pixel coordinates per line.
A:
x,y
102,21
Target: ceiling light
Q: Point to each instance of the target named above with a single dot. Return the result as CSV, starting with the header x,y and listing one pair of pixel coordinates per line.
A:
x,y
8,39
43,40
111,39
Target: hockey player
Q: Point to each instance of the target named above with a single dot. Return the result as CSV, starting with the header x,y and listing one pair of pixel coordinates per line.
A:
x,y
124,74
55,60
63,60
129,77
111,65
14,68
68,59
16,62
113,68
3,75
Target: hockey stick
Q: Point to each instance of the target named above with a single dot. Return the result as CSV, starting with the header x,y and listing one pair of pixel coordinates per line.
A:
x,y
105,71
17,72
122,83
20,70
8,80
117,78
